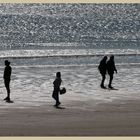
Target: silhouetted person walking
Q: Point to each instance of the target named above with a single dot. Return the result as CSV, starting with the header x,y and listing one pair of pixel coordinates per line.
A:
x,y
57,83
110,69
7,78
102,68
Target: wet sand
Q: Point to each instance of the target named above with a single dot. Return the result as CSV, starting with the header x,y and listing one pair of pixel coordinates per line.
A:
x,y
119,118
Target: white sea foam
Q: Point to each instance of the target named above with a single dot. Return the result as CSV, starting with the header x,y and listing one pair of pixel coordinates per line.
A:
x,y
67,52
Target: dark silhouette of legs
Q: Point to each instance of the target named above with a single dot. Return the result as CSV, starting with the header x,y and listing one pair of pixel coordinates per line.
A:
x,y
7,85
56,97
57,100
110,80
102,82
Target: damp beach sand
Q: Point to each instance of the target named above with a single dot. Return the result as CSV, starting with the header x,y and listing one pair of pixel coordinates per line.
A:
x,y
110,119
89,110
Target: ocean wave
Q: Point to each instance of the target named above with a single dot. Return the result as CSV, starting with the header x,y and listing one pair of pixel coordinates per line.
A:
x,y
17,54
73,65
65,56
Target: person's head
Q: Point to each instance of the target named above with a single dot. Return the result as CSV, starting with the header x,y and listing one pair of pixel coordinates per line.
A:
x,y
7,63
105,58
112,57
58,74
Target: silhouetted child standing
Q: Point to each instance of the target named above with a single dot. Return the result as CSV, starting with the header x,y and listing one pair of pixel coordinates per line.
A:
x,y
57,83
7,78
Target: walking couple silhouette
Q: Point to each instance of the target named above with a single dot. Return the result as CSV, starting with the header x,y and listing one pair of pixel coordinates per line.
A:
x,y
107,67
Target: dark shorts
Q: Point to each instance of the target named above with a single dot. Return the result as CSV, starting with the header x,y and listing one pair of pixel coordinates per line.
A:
x,y
103,73
6,82
111,74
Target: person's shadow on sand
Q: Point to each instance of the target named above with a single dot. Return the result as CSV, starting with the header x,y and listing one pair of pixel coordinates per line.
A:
x,y
59,107
9,101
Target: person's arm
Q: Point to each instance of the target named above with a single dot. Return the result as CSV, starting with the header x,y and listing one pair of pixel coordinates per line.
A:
x,y
10,71
115,68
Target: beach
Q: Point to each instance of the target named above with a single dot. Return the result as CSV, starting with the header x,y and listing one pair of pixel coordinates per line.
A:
x,y
89,110
42,39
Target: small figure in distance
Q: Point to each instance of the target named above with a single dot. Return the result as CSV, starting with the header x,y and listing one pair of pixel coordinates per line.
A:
x,y
7,78
57,83
110,69
102,69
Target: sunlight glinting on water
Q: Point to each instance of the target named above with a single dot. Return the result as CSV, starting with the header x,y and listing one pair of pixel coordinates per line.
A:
x,y
68,52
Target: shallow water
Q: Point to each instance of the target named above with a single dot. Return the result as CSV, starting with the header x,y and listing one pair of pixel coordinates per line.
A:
x,y
32,86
